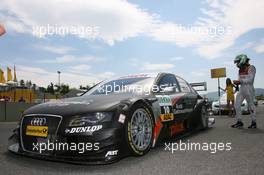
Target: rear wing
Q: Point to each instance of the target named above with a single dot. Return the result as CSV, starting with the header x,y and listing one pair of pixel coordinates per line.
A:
x,y
202,86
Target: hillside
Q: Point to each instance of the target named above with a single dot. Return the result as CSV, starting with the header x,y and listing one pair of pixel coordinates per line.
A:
x,y
214,95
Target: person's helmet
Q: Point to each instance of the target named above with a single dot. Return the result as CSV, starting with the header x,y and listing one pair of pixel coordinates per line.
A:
x,y
241,60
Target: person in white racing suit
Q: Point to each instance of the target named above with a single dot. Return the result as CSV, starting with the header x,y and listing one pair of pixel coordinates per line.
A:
x,y
246,81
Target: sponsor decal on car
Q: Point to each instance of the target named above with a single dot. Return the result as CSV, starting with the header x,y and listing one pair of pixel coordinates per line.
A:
x,y
38,121
84,129
157,129
164,100
166,108
176,128
177,111
111,153
176,99
38,131
178,106
166,117
122,118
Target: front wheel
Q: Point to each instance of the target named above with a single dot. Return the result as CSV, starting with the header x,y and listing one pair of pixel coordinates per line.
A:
x,y
139,130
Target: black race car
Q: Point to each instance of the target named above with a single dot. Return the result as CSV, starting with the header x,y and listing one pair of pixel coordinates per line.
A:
x,y
125,116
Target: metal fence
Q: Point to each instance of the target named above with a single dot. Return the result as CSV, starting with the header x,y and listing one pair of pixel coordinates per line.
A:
x,y
11,111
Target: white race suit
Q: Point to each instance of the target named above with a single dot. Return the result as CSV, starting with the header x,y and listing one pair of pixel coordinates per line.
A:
x,y
246,91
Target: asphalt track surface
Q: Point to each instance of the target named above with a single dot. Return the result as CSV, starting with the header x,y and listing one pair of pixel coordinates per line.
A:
x,y
245,157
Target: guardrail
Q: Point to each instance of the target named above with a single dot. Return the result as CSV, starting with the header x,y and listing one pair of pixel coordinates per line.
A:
x,y
11,111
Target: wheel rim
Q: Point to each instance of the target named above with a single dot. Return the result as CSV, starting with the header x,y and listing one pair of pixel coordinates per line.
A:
x,y
204,116
141,129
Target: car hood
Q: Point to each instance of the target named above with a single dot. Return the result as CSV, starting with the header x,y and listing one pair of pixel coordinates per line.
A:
x,y
80,105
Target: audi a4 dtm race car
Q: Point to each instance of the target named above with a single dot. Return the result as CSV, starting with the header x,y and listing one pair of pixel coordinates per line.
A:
x,y
125,116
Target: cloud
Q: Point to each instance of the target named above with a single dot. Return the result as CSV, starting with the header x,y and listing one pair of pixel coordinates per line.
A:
x,y
259,48
218,27
229,64
37,75
116,20
178,34
241,16
56,49
35,70
43,77
157,67
69,59
106,75
81,67
176,58
200,73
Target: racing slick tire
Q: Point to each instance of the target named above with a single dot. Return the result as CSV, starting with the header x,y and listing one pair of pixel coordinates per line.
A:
x,y
139,129
204,118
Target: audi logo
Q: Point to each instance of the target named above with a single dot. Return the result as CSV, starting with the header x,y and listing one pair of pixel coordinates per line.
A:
x,y
38,121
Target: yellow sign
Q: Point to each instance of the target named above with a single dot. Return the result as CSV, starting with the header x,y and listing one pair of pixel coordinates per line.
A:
x,y
2,77
9,74
15,77
39,131
166,117
218,73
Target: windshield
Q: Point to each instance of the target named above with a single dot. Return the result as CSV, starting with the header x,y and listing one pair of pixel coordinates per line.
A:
x,y
139,85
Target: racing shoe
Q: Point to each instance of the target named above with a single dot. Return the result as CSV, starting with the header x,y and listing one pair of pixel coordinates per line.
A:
x,y
237,125
253,125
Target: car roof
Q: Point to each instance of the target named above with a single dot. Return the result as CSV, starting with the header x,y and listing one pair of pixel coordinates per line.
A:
x,y
139,75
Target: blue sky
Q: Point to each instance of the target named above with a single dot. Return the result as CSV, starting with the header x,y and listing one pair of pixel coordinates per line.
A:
x,y
131,37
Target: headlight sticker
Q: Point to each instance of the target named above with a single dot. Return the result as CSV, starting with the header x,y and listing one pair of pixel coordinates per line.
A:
x,y
122,118
90,119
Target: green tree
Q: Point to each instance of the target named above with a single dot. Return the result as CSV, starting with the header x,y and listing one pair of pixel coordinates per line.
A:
x,y
50,88
58,89
87,87
64,89
22,82
42,89
28,84
260,97
34,86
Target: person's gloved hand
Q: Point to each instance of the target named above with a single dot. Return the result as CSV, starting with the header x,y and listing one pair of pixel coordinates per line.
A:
x,y
236,82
